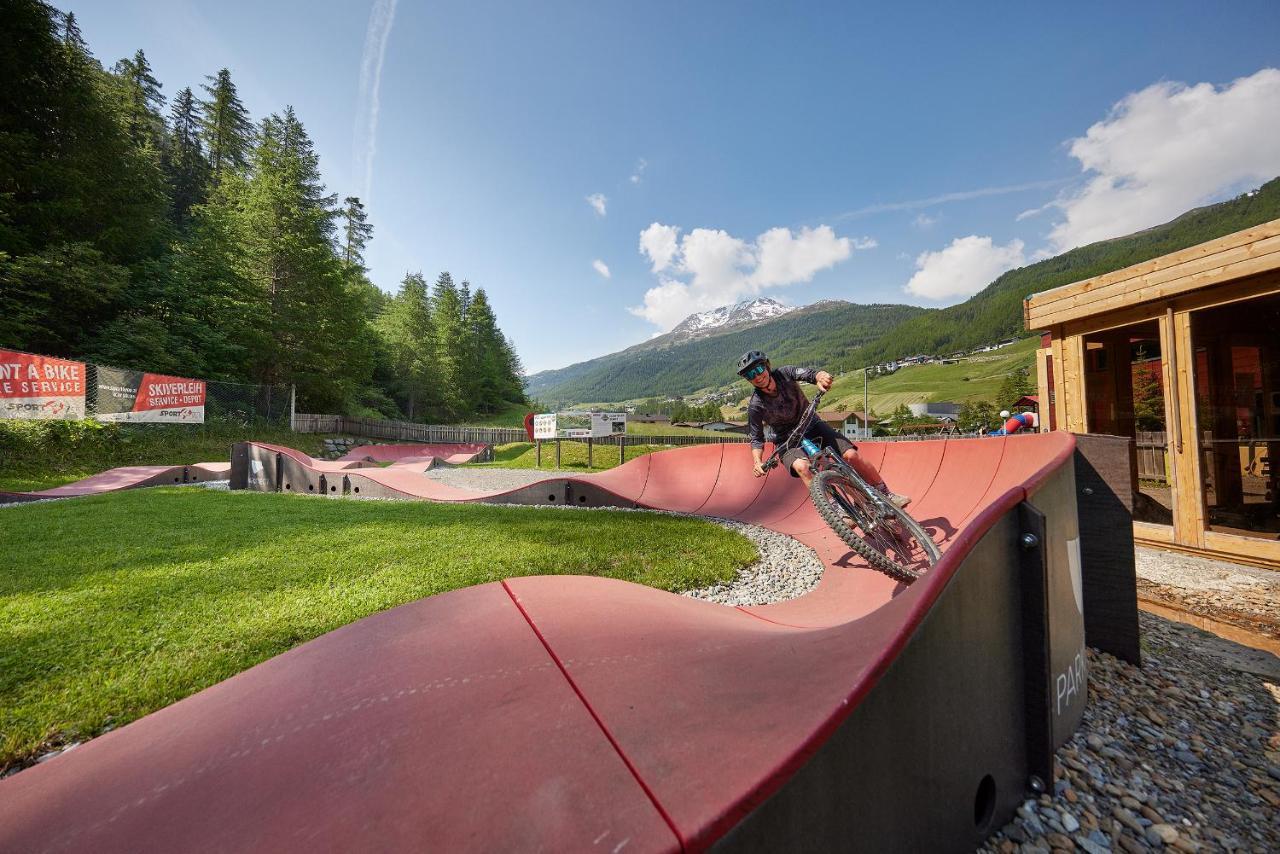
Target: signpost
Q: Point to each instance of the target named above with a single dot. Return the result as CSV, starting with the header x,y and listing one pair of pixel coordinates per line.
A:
x,y
577,425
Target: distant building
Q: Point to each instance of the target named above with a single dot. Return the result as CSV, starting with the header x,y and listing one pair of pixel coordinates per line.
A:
x,y
853,425
726,426
651,418
937,411
1028,403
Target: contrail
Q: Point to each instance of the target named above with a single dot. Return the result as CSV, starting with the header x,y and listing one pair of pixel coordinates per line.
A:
x,y
375,50
955,197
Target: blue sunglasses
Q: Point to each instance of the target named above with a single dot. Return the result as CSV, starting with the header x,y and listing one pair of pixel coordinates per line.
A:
x,y
753,372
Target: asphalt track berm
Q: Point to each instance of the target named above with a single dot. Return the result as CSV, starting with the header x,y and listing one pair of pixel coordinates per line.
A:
x,y
568,713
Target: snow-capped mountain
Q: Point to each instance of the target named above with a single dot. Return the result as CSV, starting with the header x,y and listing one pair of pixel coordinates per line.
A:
x,y
718,319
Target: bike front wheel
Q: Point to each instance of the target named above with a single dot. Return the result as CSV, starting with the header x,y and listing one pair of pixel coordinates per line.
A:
x,y
883,534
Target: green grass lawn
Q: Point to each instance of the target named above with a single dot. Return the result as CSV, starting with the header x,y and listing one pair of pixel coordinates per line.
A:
x,y
976,378
41,455
573,456
113,606
635,428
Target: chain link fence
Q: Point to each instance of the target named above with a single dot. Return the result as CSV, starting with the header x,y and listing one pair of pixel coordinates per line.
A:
x,y
110,393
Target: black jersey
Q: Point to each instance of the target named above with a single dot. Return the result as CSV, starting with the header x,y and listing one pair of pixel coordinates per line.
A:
x,y
781,411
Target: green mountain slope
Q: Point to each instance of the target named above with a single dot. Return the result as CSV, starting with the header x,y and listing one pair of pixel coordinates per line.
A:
x,y
841,335
995,312
816,334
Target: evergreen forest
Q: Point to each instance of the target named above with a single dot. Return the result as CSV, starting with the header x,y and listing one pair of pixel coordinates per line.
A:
x,y
177,234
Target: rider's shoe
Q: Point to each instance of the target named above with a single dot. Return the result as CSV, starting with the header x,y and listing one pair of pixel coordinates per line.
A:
x,y
895,499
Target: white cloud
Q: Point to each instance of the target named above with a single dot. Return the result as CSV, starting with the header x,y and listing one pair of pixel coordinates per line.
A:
x,y
601,268
965,267
924,220
660,244
597,202
1168,148
369,103
708,268
865,243
638,175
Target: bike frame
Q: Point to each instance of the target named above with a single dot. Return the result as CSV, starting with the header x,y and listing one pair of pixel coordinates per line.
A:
x,y
822,459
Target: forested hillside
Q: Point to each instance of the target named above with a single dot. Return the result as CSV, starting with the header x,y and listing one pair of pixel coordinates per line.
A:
x,y
996,312
177,235
820,334
845,336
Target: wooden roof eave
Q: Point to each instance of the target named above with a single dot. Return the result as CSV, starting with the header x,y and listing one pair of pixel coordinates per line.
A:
x,y
1233,256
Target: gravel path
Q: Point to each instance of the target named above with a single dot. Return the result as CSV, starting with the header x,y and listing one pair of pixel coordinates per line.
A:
x,y
1245,596
1182,753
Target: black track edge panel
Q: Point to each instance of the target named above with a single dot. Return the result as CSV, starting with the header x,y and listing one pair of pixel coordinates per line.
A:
x,y
935,757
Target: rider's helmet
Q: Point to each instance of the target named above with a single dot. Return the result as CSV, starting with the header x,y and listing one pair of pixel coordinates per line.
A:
x,y
749,360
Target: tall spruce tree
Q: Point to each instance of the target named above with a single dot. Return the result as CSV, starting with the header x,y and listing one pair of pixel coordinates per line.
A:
x,y
184,161
354,232
405,325
312,321
140,101
225,127
450,335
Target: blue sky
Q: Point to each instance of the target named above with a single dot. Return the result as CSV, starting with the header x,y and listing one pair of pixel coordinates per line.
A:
x,y
903,153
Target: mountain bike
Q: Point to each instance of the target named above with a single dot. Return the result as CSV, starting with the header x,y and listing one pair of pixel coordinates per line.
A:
x,y
884,534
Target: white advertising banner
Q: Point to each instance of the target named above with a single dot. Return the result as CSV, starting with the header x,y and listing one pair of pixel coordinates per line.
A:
x,y
40,387
579,425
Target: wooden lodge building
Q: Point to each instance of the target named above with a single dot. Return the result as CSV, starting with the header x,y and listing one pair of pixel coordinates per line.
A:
x,y
1182,354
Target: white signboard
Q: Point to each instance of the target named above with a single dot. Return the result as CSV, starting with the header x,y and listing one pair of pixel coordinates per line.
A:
x,y
608,423
544,426
579,425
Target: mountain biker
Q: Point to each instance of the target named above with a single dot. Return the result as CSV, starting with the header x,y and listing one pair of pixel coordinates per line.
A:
x,y
779,402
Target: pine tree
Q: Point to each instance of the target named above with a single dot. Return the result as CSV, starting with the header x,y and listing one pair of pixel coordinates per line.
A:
x,y
355,233
78,201
1016,384
184,161
141,101
312,320
225,128
405,326
449,335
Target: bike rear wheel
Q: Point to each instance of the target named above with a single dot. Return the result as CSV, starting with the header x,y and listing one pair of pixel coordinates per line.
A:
x,y
883,534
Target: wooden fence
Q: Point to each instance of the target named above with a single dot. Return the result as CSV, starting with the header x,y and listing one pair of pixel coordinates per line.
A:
x,y
1152,448
407,431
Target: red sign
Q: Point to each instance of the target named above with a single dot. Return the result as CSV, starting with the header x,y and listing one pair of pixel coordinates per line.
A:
x,y
40,387
134,396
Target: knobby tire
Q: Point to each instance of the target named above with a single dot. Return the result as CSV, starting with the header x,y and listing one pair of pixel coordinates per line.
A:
x,y
822,491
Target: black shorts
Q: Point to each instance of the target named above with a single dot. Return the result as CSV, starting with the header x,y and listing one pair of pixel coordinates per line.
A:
x,y
822,434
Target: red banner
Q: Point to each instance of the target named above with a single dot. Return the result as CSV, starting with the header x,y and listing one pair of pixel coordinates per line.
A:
x,y
134,396
40,387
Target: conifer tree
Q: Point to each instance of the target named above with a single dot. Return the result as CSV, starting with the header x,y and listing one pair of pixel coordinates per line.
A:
x,y
354,232
405,325
312,322
449,335
184,160
225,128
141,101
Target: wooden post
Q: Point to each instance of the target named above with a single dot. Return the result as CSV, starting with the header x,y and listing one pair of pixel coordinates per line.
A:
x,y
588,452
557,454
622,449
537,443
